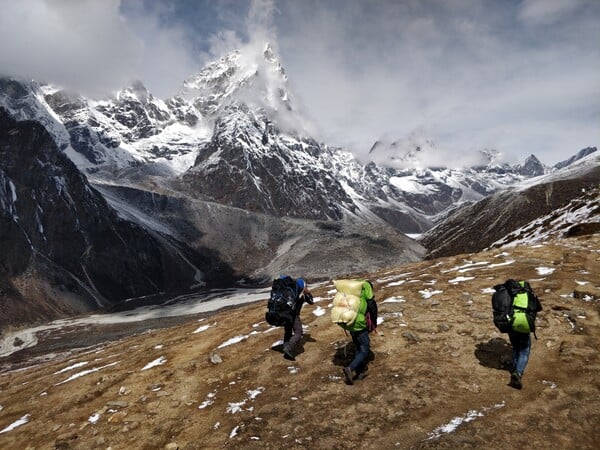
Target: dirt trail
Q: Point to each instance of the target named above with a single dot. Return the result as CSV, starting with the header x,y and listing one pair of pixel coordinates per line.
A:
x,y
438,362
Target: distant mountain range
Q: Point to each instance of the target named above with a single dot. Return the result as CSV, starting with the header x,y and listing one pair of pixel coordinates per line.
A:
x,y
222,183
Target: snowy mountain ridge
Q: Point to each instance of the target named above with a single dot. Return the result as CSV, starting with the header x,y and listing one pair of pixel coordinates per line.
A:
x,y
232,135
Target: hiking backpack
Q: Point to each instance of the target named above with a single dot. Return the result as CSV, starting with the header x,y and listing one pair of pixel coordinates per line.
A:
x,y
371,315
515,307
282,302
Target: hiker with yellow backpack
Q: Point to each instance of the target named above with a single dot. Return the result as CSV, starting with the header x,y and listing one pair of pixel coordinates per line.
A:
x,y
354,309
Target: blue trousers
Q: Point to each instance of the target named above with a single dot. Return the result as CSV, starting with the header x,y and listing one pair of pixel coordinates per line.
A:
x,y
521,344
363,345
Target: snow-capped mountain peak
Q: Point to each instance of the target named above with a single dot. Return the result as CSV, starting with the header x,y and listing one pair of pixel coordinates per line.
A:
x,y
136,91
255,78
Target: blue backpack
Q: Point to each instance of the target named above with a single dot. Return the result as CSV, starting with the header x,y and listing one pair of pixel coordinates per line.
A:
x,y
281,307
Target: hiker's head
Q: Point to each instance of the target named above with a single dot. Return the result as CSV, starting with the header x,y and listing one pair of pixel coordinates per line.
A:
x,y
301,283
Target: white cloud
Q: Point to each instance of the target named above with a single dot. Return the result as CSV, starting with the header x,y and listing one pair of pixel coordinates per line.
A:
x,y
88,46
518,77
545,12
467,75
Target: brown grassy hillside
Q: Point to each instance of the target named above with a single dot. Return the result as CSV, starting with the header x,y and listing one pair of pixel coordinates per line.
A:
x,y
437,378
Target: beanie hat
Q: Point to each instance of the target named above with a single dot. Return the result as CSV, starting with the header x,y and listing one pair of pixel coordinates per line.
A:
x,y
300,282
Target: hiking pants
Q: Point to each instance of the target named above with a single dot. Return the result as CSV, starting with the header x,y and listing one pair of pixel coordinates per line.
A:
x,y
521,344
363,346
293,334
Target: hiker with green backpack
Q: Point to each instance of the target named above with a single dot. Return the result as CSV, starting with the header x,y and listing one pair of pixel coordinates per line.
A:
x,y
355,311
515,308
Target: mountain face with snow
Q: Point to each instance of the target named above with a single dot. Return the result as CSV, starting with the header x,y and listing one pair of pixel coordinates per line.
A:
x,y
225,179
60,239
581,154
561,203
232,135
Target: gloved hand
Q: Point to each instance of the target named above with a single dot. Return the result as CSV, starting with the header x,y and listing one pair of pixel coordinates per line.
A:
x,y
309,298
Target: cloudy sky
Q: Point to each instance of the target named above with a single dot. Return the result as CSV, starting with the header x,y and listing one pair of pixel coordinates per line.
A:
x,y
518,76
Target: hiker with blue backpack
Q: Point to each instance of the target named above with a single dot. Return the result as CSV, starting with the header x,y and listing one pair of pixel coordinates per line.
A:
x,y
283,309
515,308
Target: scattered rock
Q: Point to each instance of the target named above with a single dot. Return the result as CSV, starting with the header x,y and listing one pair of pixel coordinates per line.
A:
x,y
481,315
411,337
117,404
65,440
117,417
215,358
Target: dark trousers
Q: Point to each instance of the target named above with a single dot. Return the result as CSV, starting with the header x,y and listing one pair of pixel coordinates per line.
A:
x,y
521,344
363,346
293,334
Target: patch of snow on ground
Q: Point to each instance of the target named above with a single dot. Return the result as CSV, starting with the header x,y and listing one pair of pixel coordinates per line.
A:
x,y
457,421
398,299
234,432
233,340
396,283
581,283
460,279
210,399
236,407
86,372
318,311
544,270
74,366
488,291
551,384
203,328
505,263
94,418
392,277
252,394
428,293
470,265
279,342
157,362
22,421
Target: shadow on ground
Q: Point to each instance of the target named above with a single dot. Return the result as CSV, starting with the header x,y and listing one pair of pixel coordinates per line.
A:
x,y
495,354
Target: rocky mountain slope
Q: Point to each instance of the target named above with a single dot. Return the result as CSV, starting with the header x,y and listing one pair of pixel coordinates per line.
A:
x,y
64,250
438,374
568,197
261,246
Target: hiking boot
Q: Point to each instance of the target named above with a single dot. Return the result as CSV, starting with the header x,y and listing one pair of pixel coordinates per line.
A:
x,y
362,375
515,380
287,354
348,375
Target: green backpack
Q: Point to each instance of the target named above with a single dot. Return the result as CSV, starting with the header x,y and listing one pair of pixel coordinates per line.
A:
x,y
525,306
520,321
